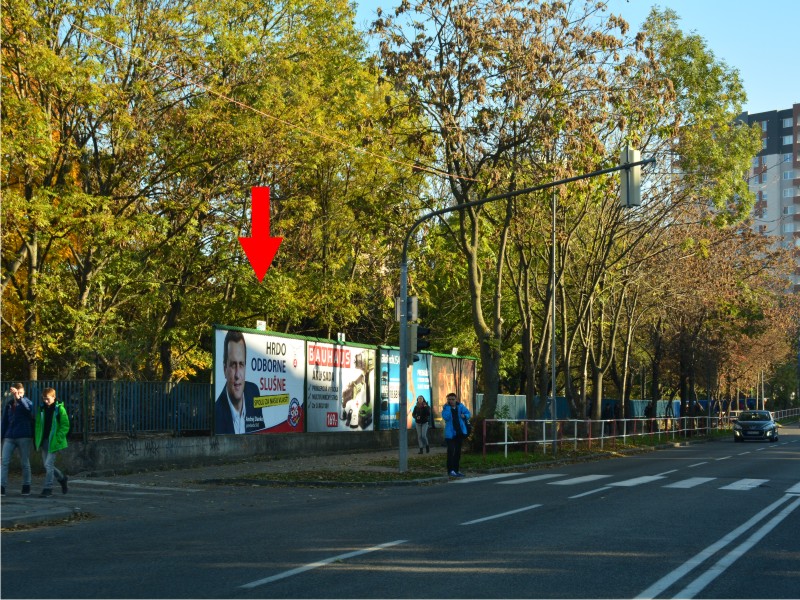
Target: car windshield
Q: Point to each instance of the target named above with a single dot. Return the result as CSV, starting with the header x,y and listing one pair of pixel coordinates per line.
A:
x,y
754,416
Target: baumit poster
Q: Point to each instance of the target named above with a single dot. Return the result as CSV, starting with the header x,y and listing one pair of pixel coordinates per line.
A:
x,y
340,387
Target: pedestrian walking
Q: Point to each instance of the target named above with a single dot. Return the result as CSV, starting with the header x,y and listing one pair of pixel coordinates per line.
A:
x,y
52,425
17,434
454,415
422,418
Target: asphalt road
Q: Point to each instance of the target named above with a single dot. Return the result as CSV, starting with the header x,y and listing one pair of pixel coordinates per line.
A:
x,y
715,520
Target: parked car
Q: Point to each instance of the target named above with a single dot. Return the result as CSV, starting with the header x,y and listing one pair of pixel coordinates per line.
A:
x,y
755,425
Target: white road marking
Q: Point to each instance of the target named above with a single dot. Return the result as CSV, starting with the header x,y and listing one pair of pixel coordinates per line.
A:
x,y
320,563
531,478
577,480
101,483
723,458
744,484
484,477
697,586
505,514
675,575
697,464
636,481
795,489
590,492
690,483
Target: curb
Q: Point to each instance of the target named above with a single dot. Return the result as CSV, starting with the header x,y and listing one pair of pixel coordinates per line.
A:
x,y
34,515
307,483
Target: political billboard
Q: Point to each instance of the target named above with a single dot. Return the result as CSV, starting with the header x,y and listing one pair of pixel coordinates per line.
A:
x,y
258,383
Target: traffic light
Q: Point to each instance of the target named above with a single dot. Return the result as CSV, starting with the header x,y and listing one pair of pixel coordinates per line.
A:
x,y
420,339
630,188
416,340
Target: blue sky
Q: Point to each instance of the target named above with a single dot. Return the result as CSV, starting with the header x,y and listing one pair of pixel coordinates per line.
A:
x,y
758,38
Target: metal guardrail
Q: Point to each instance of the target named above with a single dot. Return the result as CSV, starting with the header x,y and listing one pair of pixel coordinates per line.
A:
x,y
539,433
101,408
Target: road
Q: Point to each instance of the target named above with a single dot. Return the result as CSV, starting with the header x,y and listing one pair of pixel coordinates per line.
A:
x,y
714,520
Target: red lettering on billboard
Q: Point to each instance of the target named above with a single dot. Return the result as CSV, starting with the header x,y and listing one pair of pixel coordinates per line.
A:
x,y
333,419
327,356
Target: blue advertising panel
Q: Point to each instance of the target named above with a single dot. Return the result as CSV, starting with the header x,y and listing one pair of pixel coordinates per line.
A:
x,y
419,384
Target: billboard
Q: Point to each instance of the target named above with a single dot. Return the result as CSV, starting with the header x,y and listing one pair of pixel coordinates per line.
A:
x,y
418,385
452,374
258,383
340,387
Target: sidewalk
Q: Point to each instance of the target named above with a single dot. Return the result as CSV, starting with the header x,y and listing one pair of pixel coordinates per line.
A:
x,y
16,509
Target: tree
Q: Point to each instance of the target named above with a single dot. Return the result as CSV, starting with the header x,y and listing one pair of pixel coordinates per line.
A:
x,y
135,131
496,83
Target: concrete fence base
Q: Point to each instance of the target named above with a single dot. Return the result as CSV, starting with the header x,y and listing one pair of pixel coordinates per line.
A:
x,y
126,455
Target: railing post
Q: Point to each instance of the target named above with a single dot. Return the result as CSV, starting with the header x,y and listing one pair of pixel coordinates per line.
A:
x,y
484,436
85,411
525,435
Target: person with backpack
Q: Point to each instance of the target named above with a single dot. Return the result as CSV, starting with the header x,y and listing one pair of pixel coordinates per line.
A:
x,y
17,434
52,425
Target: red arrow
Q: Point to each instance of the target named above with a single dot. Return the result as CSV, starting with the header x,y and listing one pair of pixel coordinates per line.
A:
x,y
260,248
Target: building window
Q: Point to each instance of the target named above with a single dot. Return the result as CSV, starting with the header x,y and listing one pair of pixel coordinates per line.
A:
x,y
788,227
756,161
763,125
764,143
762,178
787,157
787,123
788,193
787,140
788,175
788,210
764,196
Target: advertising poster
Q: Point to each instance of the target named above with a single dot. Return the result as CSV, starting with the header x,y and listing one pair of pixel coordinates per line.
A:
x,y
258,383
341,387
452,374
418,385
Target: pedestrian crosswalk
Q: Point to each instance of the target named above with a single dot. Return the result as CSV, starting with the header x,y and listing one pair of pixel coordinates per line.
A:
x,y
96,490
671,480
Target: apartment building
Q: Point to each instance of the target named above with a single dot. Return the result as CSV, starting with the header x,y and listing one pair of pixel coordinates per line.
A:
x,y
775,179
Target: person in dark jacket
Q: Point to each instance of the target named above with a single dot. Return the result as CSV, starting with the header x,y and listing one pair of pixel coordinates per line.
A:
x,y
454,415
52,425
17,434
422,418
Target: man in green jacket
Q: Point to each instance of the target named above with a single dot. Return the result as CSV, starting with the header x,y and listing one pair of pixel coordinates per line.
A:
x,y
52,425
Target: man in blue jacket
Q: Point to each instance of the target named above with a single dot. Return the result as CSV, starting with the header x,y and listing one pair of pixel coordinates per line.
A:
x,y
455,416
17,434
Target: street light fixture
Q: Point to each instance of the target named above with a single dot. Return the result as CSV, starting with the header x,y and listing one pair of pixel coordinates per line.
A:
x,y
632,187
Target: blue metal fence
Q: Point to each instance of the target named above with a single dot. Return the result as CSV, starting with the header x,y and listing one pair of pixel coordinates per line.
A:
x,y
128,407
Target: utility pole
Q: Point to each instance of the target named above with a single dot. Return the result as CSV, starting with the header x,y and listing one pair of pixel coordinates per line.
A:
x,y
631,192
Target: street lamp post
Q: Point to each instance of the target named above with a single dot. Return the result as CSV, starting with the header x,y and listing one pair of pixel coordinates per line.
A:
x,y
632,189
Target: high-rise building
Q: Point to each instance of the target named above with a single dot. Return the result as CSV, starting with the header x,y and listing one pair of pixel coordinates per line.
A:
x,y
775,179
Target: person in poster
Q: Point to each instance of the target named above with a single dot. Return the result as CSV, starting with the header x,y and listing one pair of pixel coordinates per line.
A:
x,y
234,408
